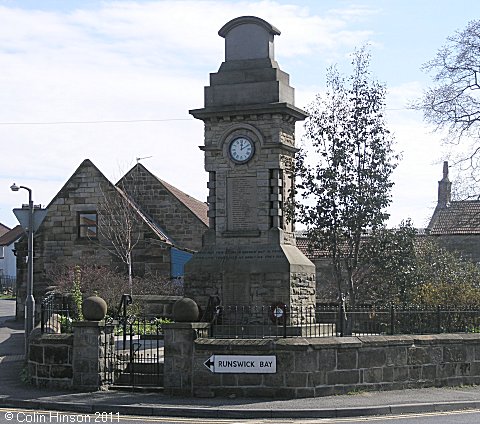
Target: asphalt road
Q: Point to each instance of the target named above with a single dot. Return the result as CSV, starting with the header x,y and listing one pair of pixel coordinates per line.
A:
x,y
11,332
7,310
31,416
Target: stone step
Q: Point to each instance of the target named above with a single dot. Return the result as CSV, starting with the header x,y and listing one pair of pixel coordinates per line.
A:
x,y
149,374
147,380
127,387
145,367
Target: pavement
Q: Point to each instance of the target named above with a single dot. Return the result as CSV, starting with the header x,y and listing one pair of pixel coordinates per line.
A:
x,y
14,393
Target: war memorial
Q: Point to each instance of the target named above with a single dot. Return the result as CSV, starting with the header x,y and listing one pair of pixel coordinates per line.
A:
x,y
249,255
249,259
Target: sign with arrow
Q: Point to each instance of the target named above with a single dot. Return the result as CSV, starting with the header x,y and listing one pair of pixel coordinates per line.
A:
x,y
242,364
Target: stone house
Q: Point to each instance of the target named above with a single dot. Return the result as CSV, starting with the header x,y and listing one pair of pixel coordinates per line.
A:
x,y
170,227
456,224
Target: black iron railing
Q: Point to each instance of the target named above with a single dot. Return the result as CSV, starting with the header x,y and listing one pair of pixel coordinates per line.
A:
x,y
8,285
134,352
122,315
57,313
336,320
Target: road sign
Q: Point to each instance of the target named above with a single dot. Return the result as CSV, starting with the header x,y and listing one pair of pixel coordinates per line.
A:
x,y
245,364
22,216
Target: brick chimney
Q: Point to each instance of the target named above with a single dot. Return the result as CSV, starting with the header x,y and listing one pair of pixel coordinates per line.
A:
x,y
444,188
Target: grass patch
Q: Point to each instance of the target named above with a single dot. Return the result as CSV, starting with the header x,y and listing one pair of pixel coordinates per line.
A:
x,y
355,392
7,296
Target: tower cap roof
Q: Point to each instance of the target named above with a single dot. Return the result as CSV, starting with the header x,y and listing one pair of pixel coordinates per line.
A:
x,y
247,20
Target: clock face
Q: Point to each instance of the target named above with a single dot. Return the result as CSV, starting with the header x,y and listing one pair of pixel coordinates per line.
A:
x,y
241,149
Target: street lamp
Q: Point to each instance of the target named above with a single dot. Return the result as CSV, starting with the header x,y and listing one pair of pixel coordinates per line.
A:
x,y
30,300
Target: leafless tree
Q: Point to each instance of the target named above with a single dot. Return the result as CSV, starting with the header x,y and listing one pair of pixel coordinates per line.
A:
x,y
120,225
452,103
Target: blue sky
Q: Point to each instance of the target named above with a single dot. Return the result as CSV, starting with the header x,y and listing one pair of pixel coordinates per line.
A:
x,y
93,61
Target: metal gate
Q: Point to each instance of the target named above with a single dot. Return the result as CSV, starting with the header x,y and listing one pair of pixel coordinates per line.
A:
x,y
134,353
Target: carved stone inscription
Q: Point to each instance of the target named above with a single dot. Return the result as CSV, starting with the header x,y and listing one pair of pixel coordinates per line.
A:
x,y
242,203
239,254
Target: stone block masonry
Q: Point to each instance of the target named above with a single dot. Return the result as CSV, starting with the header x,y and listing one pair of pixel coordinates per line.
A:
x,y
249,256
308,367
50,361
70,361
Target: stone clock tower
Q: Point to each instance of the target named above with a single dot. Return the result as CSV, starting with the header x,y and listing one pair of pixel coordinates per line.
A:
x,y
249,255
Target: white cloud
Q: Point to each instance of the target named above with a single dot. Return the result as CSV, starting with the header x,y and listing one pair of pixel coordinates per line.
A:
x,y
127,60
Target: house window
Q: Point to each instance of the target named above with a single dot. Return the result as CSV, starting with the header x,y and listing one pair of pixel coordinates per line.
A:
x,y
87,225
2,252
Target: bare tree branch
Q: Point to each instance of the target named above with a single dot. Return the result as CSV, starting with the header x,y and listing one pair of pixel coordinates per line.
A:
x,y
453,102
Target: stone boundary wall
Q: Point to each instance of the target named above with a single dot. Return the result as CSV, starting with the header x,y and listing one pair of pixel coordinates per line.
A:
x,y
50,360
75,360
308,367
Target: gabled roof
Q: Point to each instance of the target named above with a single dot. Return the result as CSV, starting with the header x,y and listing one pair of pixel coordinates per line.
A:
x,y
147,220
151,224
11,236
458,217
85,163
3,229
197,207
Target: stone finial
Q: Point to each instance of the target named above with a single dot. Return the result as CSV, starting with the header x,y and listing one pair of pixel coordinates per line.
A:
x,y
185,310
248,37
94,308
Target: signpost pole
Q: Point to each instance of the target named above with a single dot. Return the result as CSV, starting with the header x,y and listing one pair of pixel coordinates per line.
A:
x,y
30,224
30,300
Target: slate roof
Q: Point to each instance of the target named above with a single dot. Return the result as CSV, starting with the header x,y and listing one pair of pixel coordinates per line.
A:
x,y
458,217
12,235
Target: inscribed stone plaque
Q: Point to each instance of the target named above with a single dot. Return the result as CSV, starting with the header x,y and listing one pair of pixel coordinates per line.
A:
x,y
242,203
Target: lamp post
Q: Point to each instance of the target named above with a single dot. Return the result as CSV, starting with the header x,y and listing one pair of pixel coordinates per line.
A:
x,y
30,300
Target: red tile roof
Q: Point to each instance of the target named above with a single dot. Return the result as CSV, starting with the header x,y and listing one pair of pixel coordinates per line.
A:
x,y
302,244
459,217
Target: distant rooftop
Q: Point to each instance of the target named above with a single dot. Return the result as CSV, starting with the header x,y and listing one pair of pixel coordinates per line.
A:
x,y
458,217
3,229
10,236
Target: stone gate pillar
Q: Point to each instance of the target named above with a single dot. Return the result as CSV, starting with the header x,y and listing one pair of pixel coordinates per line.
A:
x,y
90,346
178,356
